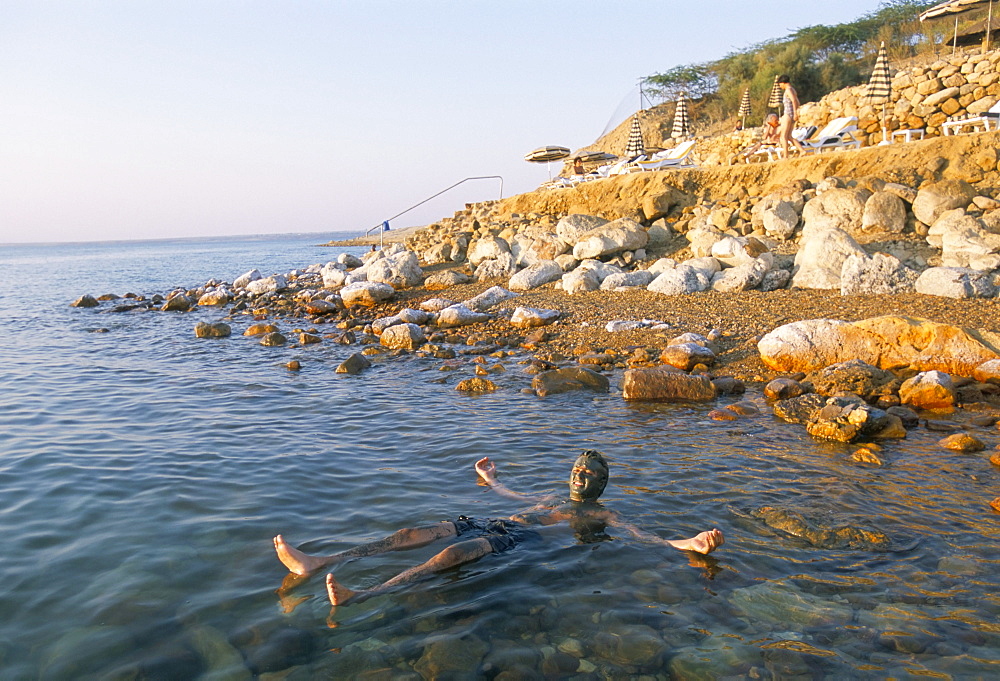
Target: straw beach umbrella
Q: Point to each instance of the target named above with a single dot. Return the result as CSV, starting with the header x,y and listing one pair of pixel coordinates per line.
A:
x,y
956,7
681,125
744,106
635,146
774,101
546,155
880,87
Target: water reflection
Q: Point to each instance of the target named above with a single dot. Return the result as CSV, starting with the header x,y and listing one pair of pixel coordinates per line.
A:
x,y
144,474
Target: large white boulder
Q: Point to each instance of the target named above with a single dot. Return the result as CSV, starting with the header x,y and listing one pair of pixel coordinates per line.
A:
x,y
615,237
934,198
501,267
835,208
459,315
488,298
366,293
876,274
884,212
743,277
572,228
244,279
272,284
580,280
821,257
956,282
536,275
627,280
681,280
487,248
400,270
403,336
333,275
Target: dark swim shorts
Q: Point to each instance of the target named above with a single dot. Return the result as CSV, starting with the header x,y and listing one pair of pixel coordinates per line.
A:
x,y
502,534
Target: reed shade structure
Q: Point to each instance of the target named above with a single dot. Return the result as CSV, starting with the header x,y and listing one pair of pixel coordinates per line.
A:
x,y
682,126
635,146
744,107
774,101
880,87
956,7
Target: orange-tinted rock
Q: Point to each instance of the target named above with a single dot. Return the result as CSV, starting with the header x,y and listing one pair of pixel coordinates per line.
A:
x,y
662,384
260,329
886,342
477,385
723,414
928,390
962,442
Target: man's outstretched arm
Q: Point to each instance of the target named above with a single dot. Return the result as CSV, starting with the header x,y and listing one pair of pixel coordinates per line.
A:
x,y
704,542
487,470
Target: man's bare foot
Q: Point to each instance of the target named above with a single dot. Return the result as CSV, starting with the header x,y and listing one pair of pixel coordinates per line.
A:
x,y
297,562
338,593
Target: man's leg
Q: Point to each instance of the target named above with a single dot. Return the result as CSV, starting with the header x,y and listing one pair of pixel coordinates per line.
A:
x,y
456,554
409,538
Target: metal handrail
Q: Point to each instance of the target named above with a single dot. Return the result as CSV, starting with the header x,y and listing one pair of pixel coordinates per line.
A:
x,y
434,196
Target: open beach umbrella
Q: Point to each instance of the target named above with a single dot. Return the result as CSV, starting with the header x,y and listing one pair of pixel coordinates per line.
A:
x,y
956,7
744,106
880,86
547,155
681,125
635,146
774,101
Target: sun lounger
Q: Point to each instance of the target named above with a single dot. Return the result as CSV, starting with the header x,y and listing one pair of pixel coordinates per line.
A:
x,y
673,158
838,134
988,120
772,150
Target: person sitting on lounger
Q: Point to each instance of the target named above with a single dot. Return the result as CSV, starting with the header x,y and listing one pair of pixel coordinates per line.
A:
x,y
772,135
480,537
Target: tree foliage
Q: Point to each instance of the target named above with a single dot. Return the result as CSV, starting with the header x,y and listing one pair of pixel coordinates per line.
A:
x,y
818,59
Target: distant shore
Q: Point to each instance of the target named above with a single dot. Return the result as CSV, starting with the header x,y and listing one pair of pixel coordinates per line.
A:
x,y
393,236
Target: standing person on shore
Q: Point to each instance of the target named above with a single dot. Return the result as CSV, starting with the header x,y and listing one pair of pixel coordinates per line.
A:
x,y
789,115
587,481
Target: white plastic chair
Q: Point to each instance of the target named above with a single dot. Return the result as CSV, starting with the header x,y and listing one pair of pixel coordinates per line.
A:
x,y
674,158
984,119
838,134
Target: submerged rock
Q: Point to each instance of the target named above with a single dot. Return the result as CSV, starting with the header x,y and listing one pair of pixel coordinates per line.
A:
x,y
354,364
178,303
85,301
216,330
963,442
568,379
663,385
819,532
273,339
477,385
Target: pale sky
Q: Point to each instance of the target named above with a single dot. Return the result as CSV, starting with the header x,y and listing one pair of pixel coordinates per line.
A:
x,y
144,119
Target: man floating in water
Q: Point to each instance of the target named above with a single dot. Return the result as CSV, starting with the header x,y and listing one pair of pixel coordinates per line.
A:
x,y
587,481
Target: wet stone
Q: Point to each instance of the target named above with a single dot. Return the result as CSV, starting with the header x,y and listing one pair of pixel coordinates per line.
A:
x,y
272,340
354,364
85,301
308,339
866,455
216,330
260,329
294,365
568,379
727,385
477,385
783,389
723,414
798,409
963,442
908,417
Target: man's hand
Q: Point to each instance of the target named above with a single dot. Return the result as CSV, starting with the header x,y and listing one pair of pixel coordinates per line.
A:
x,y
487,470
706,542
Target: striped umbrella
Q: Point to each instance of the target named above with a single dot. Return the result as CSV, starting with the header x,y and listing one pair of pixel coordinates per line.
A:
x,y
635,146
775,100
744,106
880,86
681,125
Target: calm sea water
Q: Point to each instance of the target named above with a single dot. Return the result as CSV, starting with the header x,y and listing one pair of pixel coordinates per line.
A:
x,y
143,473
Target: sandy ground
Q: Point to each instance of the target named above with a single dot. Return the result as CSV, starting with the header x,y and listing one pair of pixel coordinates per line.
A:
x,y
741,317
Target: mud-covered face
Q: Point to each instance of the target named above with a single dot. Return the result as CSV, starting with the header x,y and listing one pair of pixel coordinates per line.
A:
x,y
588,479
